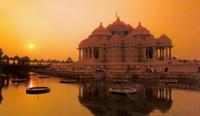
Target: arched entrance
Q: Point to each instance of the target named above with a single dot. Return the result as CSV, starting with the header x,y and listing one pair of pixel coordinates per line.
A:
x,y
96,52
199,69
166,69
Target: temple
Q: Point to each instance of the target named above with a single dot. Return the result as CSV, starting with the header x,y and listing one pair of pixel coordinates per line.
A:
x,y
123,51
120,42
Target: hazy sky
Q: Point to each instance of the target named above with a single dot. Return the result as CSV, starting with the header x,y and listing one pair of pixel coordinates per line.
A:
x,y
54,28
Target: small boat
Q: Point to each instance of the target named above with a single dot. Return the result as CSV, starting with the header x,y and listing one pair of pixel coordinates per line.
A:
x,y
169,81
119,81
122,90
68,81
32,74
3,75
19,80
37,90
44,76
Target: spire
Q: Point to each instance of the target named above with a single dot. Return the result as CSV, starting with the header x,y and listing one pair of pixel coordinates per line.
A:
x,y
139,23
100,24
117,17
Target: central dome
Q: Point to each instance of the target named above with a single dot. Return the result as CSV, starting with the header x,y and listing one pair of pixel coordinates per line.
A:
x,y
118,25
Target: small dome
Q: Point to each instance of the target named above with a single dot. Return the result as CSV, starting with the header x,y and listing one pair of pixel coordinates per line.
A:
x,y
164,37
140,30
100,31
25,58
16,57
118,25
5,57
69,60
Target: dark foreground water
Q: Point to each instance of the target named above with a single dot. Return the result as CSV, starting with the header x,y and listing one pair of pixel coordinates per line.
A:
x,y
93,98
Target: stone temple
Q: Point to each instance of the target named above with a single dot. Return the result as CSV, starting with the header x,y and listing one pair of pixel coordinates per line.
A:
x,y
124,51
122,43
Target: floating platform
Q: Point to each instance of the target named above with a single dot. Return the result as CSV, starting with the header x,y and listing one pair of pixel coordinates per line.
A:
x,y
120,81
19,80
44,76
3,75
37,90
68,81
122,90
32,74
169,81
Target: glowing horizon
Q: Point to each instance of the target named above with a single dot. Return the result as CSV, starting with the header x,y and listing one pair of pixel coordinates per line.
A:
x,y
52,29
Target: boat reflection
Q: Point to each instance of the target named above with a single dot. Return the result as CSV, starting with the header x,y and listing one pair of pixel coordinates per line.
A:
x,y
97,98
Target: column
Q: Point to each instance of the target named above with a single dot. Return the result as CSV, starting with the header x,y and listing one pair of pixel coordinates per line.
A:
x,y
166,55
163,53
154,53
79,54
92,53
157,54
144,54
88,53
170,53
160,55
85,53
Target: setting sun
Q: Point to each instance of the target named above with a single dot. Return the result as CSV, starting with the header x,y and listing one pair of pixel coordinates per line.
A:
x,y
31,46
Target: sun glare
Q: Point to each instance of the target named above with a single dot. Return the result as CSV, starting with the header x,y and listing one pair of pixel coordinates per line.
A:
x,y
31,46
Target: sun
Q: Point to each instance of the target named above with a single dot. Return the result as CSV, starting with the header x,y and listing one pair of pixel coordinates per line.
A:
x,y
31,46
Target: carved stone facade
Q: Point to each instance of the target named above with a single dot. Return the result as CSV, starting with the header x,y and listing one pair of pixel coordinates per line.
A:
x,y
120,42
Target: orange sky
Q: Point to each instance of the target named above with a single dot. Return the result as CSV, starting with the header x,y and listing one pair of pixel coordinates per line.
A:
x,y
57,26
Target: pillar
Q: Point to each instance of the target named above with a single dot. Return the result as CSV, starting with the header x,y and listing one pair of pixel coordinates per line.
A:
x,y
154,53
87,53
160,55
92,53
170,53
144,54
163,53
83,54
157,54
166,55
79,54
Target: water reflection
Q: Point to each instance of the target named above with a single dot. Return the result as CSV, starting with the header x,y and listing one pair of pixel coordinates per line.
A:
x,y
92,97
97,98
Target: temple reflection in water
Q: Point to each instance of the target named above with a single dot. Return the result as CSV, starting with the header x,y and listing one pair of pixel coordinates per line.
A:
x,y
97,98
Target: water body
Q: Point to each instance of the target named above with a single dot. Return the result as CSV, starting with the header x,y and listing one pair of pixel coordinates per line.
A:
x,y
91,97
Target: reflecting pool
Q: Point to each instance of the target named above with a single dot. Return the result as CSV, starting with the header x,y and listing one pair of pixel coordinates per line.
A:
x,y
92,97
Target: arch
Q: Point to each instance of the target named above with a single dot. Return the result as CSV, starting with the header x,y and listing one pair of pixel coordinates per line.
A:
x,y
96,52
199,69
166,69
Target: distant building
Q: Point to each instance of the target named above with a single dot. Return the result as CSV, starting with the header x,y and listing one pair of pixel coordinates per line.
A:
x,y
120,42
